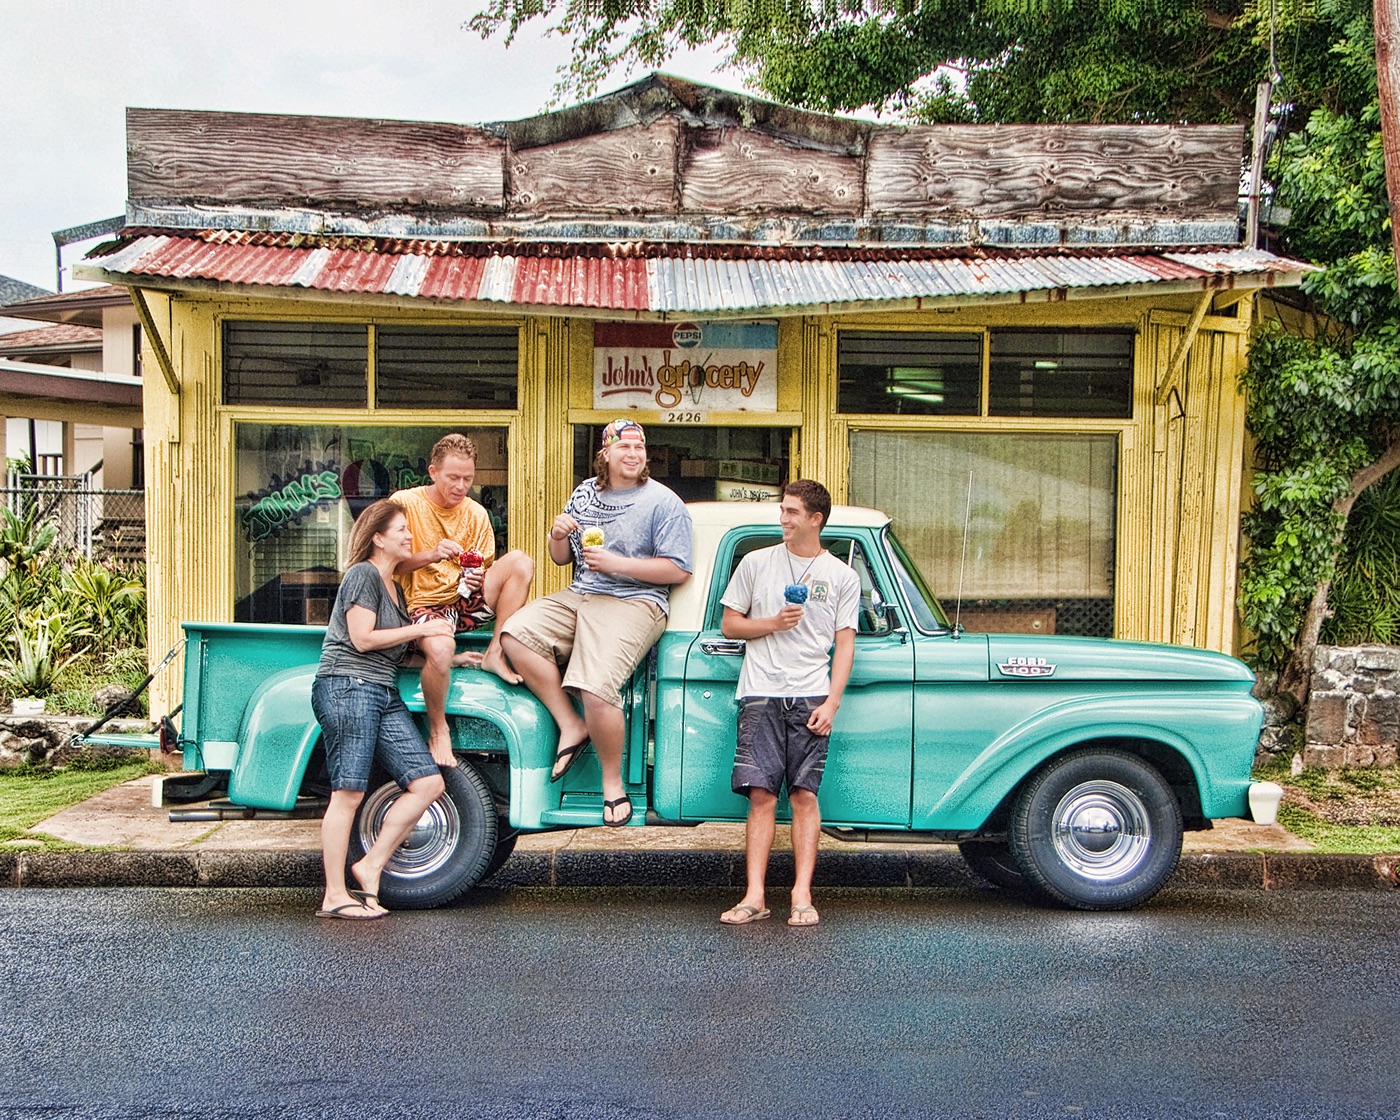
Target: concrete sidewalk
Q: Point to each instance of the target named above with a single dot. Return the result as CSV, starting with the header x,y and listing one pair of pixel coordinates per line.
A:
x,y
142,847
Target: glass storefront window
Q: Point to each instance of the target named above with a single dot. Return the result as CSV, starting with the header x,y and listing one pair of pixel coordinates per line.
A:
x,y
300,487
1062,373
1041,538
704,464
909,373
446,367
300,365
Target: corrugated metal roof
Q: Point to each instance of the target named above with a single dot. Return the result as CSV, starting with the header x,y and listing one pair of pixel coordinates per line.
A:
x,y
633,277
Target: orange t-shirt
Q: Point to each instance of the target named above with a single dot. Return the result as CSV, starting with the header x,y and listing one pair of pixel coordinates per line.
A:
x,y
436,584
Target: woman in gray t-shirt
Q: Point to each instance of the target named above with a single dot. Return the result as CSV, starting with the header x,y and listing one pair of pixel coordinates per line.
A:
x,y
356,700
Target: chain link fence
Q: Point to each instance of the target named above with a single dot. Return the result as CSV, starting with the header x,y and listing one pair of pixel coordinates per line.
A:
x,y
102,524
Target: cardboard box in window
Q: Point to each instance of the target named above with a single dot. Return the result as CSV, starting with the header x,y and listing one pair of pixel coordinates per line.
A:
x,y
699,468
661,461
748,470
737,490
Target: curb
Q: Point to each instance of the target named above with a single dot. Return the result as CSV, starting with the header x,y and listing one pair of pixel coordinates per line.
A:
x,y
710,868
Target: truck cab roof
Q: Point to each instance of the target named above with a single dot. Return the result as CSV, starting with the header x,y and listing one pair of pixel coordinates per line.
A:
x,y
712,520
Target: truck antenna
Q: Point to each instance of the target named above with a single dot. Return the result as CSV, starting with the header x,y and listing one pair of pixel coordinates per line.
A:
x,y
962,568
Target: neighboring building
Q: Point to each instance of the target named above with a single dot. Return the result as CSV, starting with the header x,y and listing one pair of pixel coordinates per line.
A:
x,y
1036,331
12,290
74,425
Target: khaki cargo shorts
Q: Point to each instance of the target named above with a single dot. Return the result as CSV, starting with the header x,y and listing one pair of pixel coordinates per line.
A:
x,y
597,640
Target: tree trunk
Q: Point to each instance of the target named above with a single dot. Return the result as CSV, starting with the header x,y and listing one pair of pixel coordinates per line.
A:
x,y
1296,677
1387,21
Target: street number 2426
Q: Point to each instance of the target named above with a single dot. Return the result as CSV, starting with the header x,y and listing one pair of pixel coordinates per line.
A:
x,y
684,418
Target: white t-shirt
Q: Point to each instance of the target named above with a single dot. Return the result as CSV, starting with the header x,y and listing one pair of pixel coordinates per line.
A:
x,y
794,662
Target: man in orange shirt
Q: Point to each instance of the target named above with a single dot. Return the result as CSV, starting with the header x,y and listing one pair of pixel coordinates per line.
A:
x,y
447,524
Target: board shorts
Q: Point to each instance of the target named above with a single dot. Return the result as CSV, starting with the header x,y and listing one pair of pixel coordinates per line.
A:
x,y
775,744
597,640
465,615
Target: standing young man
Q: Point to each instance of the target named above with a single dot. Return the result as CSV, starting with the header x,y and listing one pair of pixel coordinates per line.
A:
x,y
791,603
629,539
446,524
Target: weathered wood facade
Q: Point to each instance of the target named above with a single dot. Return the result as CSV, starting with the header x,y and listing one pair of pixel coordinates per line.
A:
x,y
964,241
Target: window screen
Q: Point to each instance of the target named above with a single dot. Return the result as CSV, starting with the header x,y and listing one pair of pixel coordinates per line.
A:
x,y
446,367
909,373
1062,373
308,365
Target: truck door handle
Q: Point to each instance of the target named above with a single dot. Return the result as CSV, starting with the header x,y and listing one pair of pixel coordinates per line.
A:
x,y
723,647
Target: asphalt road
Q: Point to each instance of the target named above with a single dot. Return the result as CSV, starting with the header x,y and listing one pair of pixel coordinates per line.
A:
x,y
231,1003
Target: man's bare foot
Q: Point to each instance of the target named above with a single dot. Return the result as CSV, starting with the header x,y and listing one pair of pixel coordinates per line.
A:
x,y
494,661
440,747
750,910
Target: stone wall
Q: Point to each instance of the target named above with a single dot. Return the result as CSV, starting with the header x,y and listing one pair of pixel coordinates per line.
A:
x,y
1354,707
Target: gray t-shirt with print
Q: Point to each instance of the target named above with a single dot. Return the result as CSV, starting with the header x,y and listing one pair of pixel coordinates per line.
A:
x,y
641,523
363,586
794,662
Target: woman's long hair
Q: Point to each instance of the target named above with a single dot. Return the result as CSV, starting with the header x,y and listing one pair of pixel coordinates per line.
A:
x,y
375,519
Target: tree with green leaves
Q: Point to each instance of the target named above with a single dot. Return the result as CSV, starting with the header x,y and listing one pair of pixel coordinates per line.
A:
x,y
1324,388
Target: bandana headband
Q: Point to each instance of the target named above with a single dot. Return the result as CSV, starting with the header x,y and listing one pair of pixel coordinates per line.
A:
x,y
613,432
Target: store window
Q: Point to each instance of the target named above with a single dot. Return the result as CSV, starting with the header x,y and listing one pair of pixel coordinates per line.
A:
x,y
446,367
1041,532
704,464
1062,373
326,365
300,487
304,365
909,373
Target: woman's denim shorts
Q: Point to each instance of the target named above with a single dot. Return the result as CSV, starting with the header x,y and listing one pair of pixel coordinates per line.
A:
x,y
362,721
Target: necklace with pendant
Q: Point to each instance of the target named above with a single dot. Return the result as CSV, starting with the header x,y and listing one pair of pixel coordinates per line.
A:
x,y
793,571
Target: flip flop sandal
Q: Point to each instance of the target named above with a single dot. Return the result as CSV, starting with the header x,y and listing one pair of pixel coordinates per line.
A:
x,y
613,804
370,900
746,914
339,912
800,910
570,754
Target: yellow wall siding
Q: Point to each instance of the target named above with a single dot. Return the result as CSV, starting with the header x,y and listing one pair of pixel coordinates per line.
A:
x,y
1180,468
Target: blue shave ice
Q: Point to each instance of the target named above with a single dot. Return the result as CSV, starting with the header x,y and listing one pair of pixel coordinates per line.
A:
x,y
795,593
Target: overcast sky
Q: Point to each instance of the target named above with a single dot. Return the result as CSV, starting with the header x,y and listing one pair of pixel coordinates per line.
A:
x,y
68,71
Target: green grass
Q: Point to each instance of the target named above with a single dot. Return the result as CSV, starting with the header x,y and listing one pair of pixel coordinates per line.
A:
x,y
29,796
1369,840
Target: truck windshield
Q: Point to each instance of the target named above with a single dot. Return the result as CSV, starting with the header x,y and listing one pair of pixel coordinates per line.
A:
x,y
928,615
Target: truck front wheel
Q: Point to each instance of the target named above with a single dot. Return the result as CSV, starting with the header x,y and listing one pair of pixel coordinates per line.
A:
x,y
449,849
1097,830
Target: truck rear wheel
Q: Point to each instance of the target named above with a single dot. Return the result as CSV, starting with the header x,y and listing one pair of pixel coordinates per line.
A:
x,y
449,849
1097,830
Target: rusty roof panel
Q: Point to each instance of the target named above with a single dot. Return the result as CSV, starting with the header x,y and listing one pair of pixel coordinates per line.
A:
x,y
659,279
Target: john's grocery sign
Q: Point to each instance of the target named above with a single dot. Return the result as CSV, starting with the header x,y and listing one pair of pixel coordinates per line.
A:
x,y
717,367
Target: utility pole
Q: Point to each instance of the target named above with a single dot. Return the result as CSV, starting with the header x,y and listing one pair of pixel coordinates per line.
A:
x,y
1387,20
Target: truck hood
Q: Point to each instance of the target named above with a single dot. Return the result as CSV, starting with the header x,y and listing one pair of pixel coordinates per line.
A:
x,y
1014,657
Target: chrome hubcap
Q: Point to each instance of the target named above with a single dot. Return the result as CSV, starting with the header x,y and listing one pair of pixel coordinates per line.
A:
x,y
430,843
1101,830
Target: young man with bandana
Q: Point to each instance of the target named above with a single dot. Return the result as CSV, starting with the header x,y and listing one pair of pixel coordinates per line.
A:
x,y
590,637
791,603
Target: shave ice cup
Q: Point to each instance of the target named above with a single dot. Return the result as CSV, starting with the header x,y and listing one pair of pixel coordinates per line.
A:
x,y
593,537
470,560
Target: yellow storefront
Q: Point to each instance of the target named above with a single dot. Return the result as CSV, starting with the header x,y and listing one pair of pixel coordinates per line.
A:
x,y
1071,416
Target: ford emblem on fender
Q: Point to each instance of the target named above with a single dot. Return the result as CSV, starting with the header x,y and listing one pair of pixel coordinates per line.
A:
x,y
1026,667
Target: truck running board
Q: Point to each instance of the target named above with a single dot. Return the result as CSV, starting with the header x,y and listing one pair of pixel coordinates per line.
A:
x,y
890,836
306,809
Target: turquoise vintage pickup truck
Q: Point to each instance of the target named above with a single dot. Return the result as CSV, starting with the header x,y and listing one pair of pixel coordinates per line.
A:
x,y
1063,767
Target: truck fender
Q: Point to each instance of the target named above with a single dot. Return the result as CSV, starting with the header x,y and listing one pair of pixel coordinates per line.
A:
x,y
1234,720
275,741
527,733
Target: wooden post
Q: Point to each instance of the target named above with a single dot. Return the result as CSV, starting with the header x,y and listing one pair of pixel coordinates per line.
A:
x,y
1387,19
1262,96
